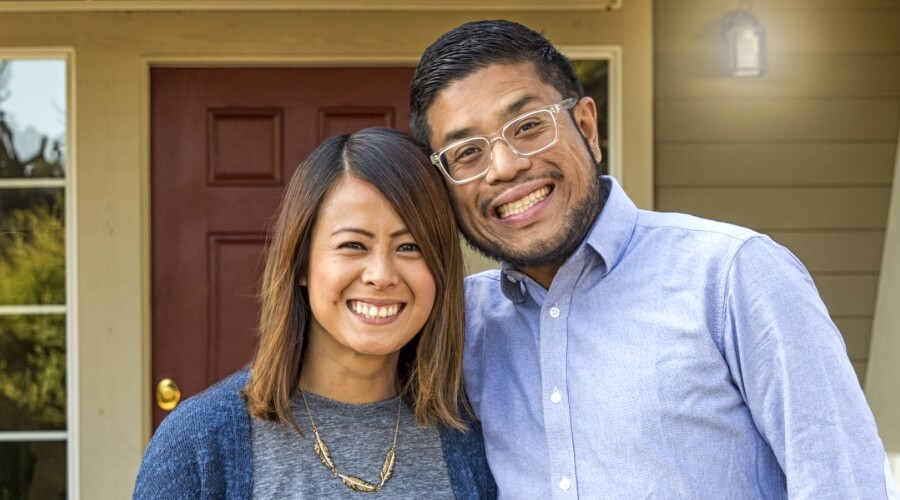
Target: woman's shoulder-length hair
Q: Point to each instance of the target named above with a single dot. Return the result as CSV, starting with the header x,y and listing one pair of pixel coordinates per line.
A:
x,y
430,366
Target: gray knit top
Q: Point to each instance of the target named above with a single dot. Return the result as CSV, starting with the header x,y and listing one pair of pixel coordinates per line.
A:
x,y
285,464
203,450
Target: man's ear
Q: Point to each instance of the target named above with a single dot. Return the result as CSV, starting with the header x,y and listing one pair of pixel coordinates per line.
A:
x,y
586,118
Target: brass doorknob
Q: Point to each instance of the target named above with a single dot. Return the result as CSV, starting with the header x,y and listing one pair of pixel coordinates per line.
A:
x,y
167,394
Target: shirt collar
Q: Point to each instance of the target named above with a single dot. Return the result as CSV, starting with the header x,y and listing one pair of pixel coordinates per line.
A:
x,y
609,236
611,232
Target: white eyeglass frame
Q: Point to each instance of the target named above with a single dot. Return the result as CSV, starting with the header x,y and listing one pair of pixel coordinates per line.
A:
x,y
554,110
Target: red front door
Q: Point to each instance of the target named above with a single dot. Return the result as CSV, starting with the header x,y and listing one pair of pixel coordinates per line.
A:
x,y
224,143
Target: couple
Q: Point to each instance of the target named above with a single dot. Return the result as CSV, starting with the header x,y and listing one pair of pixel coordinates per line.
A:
x,y
618,353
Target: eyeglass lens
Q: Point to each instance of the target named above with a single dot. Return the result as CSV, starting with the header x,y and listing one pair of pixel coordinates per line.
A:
x,y
525,136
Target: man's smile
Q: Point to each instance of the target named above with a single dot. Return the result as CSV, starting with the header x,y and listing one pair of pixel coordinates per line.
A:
x,y
524,203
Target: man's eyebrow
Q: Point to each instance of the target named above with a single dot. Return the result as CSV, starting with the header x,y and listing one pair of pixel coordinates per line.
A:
x,y
512,110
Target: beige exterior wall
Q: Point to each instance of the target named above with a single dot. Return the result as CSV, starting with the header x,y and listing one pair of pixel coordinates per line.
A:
x,y
883,375
112,53
805,153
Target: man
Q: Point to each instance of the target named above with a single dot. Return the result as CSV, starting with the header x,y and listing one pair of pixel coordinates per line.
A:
x,y
622,353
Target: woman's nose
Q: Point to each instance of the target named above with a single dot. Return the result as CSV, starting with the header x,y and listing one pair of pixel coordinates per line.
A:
x,y
380,271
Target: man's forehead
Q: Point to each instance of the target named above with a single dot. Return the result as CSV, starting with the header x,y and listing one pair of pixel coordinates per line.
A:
x,y
490,95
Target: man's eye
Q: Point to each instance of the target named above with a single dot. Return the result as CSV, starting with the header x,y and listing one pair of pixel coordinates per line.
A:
x,y
528,126
466,153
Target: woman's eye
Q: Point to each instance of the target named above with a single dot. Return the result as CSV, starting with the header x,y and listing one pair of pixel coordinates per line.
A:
x,y
352,245
408,247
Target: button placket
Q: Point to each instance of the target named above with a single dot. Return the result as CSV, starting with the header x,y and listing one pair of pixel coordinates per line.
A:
x,y
554,339
556,397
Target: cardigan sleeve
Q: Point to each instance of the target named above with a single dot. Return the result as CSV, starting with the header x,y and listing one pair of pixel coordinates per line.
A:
x,y
470,476
201,449
171,466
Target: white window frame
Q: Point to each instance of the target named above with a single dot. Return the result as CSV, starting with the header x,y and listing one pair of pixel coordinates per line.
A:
x,y
70,309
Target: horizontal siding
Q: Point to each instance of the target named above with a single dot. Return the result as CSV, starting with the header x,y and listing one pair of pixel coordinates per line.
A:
x,y
698,31
777,120
804,153
847,251
664,6
778,164
768,209
789,75
848,295
857,335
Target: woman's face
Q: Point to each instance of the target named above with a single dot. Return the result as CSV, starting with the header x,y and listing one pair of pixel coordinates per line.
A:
x,y
370,290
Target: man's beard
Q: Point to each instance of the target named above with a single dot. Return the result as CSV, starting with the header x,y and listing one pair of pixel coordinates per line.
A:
x,y
557,248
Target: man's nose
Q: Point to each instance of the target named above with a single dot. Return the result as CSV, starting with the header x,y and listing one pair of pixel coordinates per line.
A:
x,y
505,165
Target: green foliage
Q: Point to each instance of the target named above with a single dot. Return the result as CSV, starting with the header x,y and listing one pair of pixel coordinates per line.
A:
x,y
32,347
32,372
33,256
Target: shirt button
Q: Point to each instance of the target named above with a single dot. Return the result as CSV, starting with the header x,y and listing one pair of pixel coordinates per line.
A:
x,y
564,483
554,312
556,397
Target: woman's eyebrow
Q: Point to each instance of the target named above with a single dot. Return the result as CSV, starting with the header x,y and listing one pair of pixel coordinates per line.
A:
x,y
399,232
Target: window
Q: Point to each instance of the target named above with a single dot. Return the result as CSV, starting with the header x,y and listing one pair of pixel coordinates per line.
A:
x,y
35,309
599,70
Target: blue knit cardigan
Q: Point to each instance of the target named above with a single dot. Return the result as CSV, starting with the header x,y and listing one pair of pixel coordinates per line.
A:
x,y
202,450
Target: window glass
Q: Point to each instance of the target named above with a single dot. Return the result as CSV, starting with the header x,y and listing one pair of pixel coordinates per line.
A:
x,y
33,470
32,372
594,77
33,310
32,246
32,119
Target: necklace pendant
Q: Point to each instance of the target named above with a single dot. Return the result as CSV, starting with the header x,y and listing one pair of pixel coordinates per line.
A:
x,y
387,468
355,483
324,453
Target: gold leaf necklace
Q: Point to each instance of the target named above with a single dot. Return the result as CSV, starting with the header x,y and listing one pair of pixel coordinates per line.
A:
x,y
353,482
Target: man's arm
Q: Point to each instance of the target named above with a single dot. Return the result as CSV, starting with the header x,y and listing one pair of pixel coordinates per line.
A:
x,y
790,363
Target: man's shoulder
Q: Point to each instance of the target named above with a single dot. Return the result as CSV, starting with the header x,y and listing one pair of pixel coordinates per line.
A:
x,y
489,277
674,222
485,293
484,285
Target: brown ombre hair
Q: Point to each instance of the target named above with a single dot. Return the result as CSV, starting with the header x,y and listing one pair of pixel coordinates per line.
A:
x,y
430,366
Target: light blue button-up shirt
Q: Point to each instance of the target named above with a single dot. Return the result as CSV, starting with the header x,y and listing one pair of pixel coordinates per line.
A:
x,y
672,357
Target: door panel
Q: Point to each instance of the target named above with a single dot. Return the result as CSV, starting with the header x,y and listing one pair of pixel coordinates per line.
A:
x,y
224,142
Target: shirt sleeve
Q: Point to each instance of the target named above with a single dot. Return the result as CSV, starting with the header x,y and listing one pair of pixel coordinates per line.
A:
x,y
790,363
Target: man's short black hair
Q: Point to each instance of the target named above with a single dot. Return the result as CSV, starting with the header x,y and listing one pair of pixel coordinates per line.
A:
x,y
477,45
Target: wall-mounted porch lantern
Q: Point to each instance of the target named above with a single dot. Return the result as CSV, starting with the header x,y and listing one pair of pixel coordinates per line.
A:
x,y
746,41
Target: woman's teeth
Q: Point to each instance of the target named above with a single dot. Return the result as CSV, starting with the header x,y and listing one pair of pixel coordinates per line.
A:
x,y
372,311
522,204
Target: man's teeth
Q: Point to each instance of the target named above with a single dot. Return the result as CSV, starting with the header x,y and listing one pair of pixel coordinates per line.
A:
x,y
371,311
522,204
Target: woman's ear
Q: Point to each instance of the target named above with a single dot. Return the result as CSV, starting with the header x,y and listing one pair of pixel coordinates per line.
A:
x,y
302,280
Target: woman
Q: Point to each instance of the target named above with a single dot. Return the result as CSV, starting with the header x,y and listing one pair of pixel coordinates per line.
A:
x,y
356,384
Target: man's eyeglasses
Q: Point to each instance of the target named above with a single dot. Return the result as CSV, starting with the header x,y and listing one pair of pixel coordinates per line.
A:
x,y
526,135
